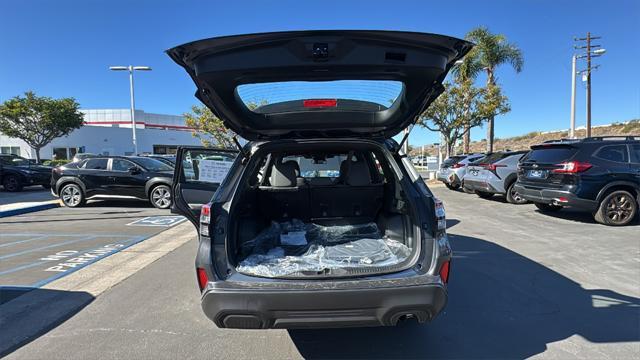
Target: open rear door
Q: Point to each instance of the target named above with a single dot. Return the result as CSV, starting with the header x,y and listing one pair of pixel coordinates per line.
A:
x,y
198,173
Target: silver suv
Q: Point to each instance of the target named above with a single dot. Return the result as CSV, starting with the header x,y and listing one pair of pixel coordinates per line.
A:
x,y
495,174
454,168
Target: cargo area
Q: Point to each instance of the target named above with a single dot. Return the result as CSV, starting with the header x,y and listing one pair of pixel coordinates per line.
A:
x,y
322,214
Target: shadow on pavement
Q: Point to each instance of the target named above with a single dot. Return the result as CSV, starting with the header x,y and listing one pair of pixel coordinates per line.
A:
x,y
34,313
118,203
501,305
580,216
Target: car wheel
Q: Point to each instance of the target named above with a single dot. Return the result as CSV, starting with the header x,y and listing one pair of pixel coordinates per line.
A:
x,y
451,187
484,194
160,197
513,197
548,207
11,183
72,195
617,208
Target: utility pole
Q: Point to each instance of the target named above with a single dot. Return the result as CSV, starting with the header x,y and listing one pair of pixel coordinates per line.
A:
x,y
588,55
572,132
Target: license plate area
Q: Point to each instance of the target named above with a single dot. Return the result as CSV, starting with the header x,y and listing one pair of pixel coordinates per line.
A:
x,y
537,174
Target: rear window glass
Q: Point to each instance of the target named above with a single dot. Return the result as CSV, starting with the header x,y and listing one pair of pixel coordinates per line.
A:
x,y
313,168
617,153
259,97
96,164
550,155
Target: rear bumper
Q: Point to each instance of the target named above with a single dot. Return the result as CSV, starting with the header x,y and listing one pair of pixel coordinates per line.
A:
x,y
263,309
556,197
479,185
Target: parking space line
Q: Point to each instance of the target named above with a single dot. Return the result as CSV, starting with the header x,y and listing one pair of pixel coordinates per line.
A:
x,y
45,247
22,267
24,241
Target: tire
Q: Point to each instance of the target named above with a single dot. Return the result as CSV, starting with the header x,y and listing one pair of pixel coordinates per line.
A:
x,y
160,196
617,209
72,195
452,187
12,183
548,207
513,197
484,194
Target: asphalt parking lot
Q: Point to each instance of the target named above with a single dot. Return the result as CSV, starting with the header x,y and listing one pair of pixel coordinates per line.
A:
x,y
40,247
522,284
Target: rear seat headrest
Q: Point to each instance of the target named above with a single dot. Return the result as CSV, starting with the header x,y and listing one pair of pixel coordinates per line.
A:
x,y
283,174
295,165
358,174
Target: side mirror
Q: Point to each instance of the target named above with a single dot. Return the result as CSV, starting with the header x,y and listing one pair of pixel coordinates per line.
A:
x,y
134,170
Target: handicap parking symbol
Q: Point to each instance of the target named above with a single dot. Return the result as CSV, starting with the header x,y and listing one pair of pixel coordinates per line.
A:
x,y
164,221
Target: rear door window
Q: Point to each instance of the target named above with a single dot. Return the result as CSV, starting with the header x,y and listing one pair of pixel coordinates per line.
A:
x,y
96,164
550,155
635,149
615,153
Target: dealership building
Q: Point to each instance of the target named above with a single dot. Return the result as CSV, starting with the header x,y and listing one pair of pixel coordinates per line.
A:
x,y
108,132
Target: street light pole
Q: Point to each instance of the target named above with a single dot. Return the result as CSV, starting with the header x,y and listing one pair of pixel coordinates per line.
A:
x,y
133,111
131,69
572,132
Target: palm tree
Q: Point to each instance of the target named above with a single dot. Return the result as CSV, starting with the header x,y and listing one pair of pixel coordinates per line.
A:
x,y
465,74
493,50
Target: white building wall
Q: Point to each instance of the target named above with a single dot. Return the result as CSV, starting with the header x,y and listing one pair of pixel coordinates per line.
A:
x,y
103,140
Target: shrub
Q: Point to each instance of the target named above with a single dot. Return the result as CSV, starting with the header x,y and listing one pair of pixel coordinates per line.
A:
x,y
55,163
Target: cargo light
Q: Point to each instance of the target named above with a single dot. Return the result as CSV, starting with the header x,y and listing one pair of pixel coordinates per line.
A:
x,y
320,103
572,167
444,272
203,279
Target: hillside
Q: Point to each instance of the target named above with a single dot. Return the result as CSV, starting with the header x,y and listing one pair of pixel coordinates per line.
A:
x,y
523,142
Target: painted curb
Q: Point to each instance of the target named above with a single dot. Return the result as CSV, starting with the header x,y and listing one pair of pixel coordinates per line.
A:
x,y
29,209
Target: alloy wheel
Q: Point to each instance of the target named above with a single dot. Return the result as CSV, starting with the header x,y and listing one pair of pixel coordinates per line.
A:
x,y
620,208
11,183
515,196
161,197
71,196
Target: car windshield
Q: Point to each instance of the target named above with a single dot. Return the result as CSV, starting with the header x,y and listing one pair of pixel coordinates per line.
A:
x,y
152,164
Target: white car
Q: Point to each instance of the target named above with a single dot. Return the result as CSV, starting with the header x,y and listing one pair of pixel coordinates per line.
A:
x,y
454,168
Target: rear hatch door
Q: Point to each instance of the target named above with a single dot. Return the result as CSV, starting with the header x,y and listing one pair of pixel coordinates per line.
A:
x,y
539,166
304,84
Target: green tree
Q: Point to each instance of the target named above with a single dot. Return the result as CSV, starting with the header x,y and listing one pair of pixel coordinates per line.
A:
x,y
209,128
491,51
448,116
38,120
465,74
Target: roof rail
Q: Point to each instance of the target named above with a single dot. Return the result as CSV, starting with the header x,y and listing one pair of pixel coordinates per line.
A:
x,y
560,140
612,137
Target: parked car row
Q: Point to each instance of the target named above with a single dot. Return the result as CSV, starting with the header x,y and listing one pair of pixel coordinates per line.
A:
x,y
600,175
17,172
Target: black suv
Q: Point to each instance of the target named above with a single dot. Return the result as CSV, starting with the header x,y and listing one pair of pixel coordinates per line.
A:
x,y
113,177
597,174
321,221
17,172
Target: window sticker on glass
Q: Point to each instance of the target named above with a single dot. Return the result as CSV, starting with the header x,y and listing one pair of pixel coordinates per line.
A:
x,y
213,171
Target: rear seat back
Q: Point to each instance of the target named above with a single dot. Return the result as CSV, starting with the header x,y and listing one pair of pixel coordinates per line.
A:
x,y
356,196
285,198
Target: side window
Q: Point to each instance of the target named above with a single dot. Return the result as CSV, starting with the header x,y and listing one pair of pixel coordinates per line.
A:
x,y
616,153
635,149
121,165
96,164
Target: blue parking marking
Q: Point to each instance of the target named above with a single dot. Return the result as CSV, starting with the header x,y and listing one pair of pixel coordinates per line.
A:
x,y
129,242
164,221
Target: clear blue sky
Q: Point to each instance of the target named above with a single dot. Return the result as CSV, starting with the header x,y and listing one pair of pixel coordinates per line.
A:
x,y
63,48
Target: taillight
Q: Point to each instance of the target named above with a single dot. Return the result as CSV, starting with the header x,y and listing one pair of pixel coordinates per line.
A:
x,y
319,103
572,167
205,219
457,165
441,215
444,272
203,279
493,167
